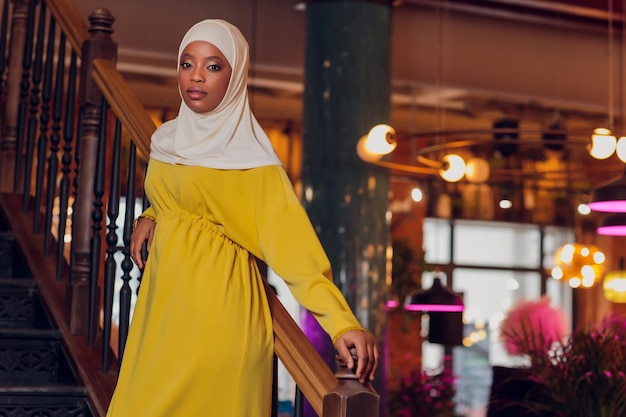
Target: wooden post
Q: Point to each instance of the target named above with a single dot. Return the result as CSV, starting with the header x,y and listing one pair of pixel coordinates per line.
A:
x,y
350,397
12,98
99,45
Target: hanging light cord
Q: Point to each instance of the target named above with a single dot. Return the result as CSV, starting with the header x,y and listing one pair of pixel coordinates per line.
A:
x,y
611,69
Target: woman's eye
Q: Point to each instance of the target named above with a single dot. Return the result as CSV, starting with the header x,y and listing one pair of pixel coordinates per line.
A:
x,y
185,65
214,67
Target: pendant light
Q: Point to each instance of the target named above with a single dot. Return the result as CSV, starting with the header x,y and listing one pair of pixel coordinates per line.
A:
x,y
613,225
610,197
437,299
614,285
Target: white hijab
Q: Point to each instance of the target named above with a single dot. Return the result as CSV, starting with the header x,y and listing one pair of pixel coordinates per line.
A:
x,y
228,137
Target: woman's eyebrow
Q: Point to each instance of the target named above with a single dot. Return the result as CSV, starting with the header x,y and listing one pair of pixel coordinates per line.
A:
x,y
188,55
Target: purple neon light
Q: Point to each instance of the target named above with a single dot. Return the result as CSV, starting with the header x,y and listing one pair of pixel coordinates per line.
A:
x,y
392,304
614,206
434,307
616,230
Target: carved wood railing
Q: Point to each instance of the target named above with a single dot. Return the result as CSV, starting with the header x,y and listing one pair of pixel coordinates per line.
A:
x,y
59,156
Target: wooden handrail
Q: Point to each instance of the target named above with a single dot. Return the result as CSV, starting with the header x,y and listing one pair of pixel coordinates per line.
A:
x,y
293,348
125,104
302,361
71,22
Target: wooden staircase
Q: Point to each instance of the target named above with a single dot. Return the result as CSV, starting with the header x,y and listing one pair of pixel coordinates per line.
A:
x,y
35,374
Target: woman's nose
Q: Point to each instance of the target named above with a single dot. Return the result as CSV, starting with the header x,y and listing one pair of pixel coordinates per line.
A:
x,y
196,76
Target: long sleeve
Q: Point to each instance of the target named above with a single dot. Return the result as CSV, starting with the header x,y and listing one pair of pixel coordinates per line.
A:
x,y
149,213
290,246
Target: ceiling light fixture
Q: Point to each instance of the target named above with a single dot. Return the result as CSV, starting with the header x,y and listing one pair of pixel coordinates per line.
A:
x,y
603,141
614,285
613,225
578,265
463,152
610,197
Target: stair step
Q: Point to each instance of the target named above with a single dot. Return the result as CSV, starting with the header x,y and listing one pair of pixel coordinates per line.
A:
x,y
33,357
36,378
58,390
20,306
17,282
44,400
46,334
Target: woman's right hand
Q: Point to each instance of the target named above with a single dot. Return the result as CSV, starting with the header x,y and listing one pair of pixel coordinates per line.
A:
x,y
143,232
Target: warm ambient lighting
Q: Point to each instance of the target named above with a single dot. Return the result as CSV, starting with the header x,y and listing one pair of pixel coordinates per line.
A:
x,y
453,168
431,151
435,299
620,149
417,195
603,143
614,285
578,264
477,170
381,140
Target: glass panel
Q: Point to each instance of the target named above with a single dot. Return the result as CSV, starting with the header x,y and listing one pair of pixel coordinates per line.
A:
x,y
554,238
436,241
560,294
487,294
429,276
496,244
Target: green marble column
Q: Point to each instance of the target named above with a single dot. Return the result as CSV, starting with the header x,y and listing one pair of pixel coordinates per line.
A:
x,y
347,91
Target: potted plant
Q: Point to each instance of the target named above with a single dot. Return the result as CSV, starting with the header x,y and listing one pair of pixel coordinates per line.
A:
x,y
423,393
579,375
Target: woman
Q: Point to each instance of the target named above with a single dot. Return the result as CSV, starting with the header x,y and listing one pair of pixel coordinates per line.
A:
x,y
201,339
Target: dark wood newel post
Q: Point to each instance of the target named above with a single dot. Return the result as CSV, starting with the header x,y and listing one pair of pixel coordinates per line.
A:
x,y
8,140
350,397
99,45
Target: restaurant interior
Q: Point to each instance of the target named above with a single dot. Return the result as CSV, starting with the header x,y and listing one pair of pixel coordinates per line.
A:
x,y
513,90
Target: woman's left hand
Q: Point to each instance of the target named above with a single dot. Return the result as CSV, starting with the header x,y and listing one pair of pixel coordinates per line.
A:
x,y
367,351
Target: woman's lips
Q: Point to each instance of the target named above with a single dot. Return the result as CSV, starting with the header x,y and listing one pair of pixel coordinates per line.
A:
x,y
196,93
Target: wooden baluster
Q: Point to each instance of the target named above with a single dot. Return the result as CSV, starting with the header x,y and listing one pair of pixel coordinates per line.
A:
x,y
79,134
4,28
55,141
99,45
350,397
144,247
110,265
127,263
35,94
97,215
8,141
66,160
42,143
298,403
23,94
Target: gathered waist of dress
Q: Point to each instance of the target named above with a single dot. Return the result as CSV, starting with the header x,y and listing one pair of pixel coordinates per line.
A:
x,y
185,216
199,223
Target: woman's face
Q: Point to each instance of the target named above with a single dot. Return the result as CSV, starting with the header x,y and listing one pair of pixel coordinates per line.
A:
x,y
203,76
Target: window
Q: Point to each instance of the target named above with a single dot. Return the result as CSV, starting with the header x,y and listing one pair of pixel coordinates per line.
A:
x,y
493,264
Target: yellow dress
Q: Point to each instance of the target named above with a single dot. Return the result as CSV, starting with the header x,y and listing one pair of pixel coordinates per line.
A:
x,y
201,343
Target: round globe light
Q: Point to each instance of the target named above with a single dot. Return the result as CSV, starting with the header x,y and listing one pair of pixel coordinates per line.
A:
x,y
477,170
603,144
453,168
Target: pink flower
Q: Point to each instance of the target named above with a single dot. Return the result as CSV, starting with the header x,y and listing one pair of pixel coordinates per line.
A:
x,y
532,327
